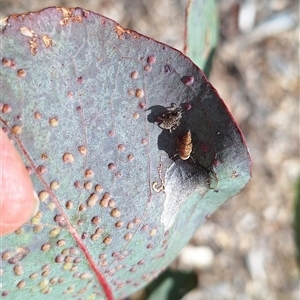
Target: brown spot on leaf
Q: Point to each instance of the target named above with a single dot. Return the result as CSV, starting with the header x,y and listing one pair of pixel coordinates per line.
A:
x,y
187,106
208,216
38,228
142,105
89,173
45,273
128,236
77,260
16,129
119,224
82,208
131,92
96,220
19,231
61,243
82,150
78,185
134,75
46,247
130,225
20,254
69,204
33,44
136,115
34,275
54,185
54,232
188,80
68,259
153,232
6,109
130,157
111,166
107,240
59,259
120,31
139,93
151,59
144,141
60,219
118,174
46,268
6,255
18,270
68,16
136,220
98,188
104,200
47,41
115,213
67,266
121,147
51,205
44,156
6,62
102,256
111,203
21,73
41,169
43,196
68,158
145,227
79,80
53,280
53,121
21,284
147,68
88,185
37,115
26,31
85,275
93,198
111,133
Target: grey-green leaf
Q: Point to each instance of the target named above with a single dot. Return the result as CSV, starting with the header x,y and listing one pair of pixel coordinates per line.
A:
x,y
118,203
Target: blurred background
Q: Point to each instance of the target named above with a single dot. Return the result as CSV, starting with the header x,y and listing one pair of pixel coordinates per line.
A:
x,y
246,250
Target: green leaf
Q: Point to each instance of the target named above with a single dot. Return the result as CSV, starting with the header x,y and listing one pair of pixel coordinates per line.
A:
x,y
297,220
171,285
85,104
201,35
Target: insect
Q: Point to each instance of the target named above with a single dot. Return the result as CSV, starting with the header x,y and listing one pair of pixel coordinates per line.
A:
x,y
185,146
171,119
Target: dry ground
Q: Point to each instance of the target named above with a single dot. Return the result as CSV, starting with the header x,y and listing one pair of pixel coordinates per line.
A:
x,y
257,75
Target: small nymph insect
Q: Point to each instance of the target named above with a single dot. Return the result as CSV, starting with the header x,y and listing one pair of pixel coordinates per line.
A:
x,y
185,146
171,119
